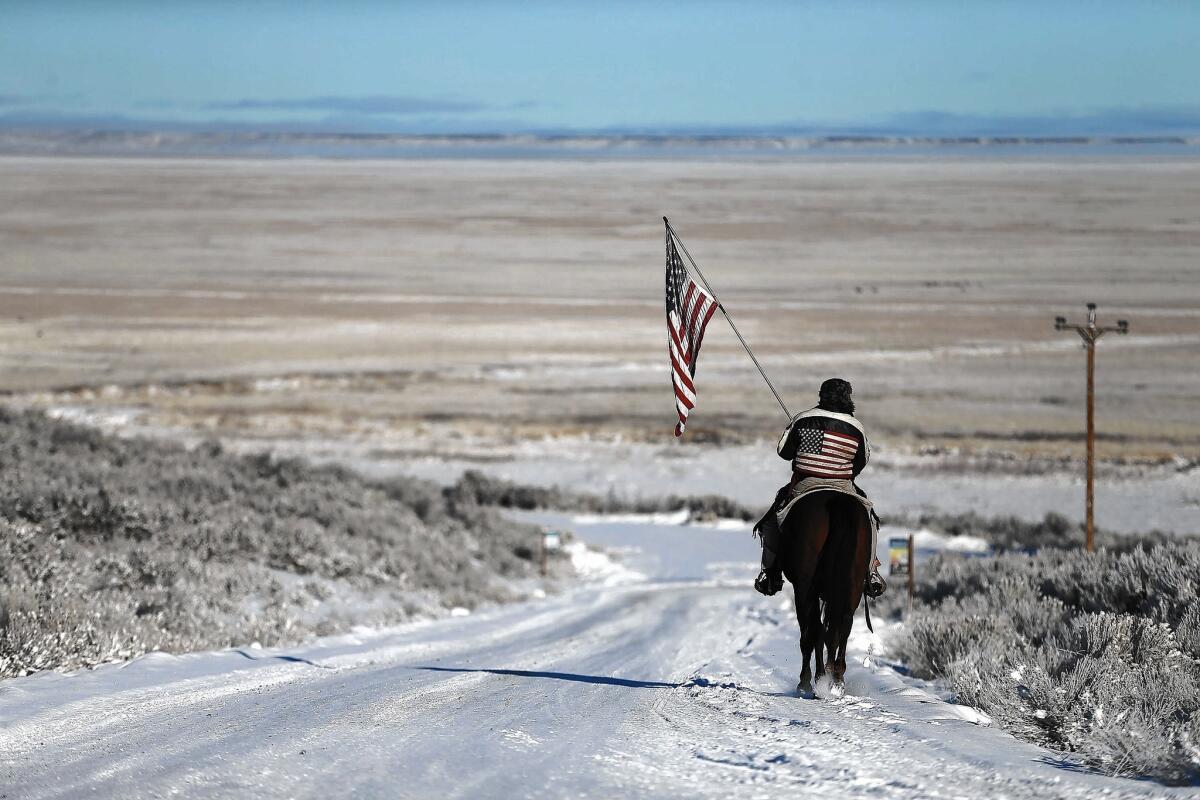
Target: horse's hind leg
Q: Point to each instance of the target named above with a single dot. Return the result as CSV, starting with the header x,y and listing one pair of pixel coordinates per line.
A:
x,y
848,565
808,527
831,646
837,661
809,616
857,560
818,634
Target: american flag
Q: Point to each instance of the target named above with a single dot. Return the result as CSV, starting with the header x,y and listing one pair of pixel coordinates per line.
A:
x,y
689,308
825,454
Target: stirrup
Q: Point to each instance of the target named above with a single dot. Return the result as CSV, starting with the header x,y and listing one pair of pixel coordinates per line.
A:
x,y
768,582
875,585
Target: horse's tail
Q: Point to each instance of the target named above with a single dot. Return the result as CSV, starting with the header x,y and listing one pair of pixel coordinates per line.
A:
x,y
838,560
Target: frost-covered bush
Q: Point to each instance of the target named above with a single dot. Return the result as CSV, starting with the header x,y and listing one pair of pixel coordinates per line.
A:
x,y
1006,532
486,490
110,548
1097,654
1014,533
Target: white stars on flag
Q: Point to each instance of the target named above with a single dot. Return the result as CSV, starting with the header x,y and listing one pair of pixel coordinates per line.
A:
x,y
689,308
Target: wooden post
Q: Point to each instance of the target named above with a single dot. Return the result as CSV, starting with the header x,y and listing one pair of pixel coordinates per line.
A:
x,y
911,570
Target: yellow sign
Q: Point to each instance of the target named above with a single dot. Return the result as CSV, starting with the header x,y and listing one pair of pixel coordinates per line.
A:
x,y
898,556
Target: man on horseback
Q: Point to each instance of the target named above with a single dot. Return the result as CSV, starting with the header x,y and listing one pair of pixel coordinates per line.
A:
x,y
828,448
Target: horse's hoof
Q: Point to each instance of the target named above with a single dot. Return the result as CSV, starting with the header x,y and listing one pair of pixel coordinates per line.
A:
x,y
805,691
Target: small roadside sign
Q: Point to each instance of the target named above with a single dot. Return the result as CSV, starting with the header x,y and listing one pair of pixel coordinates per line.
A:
x,y
898,555
551,541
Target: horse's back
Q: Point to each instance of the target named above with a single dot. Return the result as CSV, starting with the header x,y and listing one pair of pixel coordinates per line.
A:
x,y
828,532
825,508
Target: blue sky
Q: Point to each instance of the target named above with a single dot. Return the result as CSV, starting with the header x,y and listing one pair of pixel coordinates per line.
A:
x,y
655,67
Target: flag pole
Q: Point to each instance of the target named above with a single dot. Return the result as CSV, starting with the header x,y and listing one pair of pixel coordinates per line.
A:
x,y
728,318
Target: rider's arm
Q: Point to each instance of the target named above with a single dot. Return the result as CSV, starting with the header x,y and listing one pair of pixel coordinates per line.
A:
x,y
860,458
789,442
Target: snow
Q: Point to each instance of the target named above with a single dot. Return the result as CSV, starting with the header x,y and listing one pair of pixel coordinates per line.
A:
x,y
925,539
675,680
661,518
596,566
1132,499
680,517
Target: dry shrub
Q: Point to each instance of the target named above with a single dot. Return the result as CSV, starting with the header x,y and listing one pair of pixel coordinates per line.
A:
x,y
486,490
1096,654
110,548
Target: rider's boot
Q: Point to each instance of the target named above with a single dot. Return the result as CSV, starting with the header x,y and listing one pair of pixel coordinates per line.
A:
x,y
875,584
769,581
770,577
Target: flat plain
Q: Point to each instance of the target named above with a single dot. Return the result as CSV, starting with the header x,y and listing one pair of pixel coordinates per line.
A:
x,y
519,300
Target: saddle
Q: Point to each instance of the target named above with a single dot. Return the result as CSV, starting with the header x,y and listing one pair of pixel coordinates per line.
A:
x,y
767,529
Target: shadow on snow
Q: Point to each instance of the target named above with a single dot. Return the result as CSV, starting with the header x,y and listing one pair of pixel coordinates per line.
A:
x,y
603,680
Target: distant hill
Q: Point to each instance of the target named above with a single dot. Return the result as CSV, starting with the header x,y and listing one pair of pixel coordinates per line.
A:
x,y
118,141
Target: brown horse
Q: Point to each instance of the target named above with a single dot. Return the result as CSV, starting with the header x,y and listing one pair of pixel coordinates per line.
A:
x,y
827,537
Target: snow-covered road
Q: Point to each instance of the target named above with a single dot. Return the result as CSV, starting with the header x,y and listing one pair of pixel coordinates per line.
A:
x,y
679,684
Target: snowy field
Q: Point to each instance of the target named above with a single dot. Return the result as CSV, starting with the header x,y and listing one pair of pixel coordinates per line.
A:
x,y
1130,498
1130,501
666,676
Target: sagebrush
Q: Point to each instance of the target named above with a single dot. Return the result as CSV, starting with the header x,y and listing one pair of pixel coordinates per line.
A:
x,y
1096,654
488,490
110,548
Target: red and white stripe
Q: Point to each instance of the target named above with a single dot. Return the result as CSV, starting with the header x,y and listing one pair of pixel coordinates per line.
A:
x,y
835,459
684,345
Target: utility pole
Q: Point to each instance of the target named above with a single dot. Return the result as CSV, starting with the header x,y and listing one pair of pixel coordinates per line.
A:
x,y
1090,333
